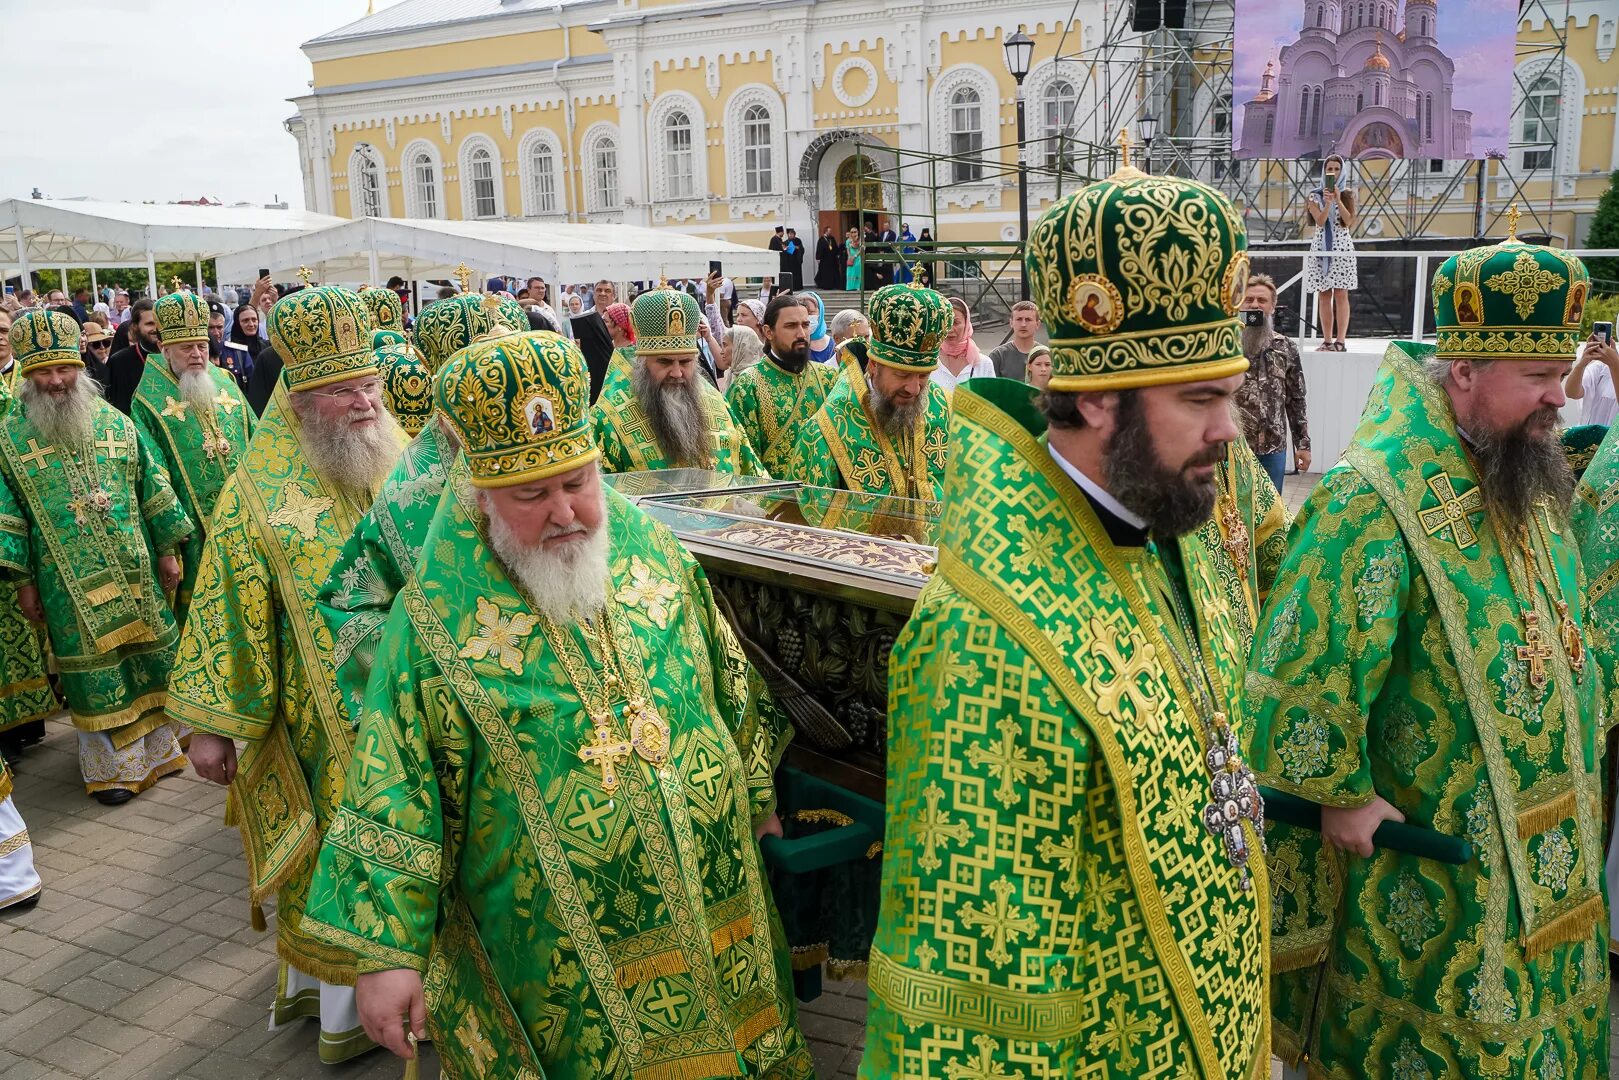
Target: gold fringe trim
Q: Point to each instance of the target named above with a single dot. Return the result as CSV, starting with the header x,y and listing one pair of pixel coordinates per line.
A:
x,y
701,1067
822,817
325,971
874,850
1293,959
1548,815
102,593
1286,1044
732,932
637,972
22,686
135,632
1569,926
846,970
806,957
766,1019
255,917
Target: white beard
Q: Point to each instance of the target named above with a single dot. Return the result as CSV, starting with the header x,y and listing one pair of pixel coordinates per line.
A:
x,y
197,388
68,420
354,460
566,584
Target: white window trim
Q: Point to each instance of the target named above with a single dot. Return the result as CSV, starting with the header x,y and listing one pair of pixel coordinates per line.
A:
x,y
1034,90
677,101
497,167
1570,113
738,104
364,152
989,113
592,137
407,178
525,172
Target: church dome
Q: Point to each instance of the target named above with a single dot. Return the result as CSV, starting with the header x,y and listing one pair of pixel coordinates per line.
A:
x,y
1377,61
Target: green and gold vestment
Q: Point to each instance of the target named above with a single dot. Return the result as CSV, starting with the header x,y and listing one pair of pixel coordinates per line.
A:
x,y
87,527
1247,536
628,444
564,928
1395,659
840,446
25,691
255,666
620,371
198,452
1054,905
772,404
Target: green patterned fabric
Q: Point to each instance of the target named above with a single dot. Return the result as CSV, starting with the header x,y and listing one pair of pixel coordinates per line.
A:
x,y
567,925
323,336
508,311
25,692
181,318
1510,301
197,451
840,446
620,371
407,386
382,338
628,444
771,405
908,323
87,527
448,326
1596,529
387,312
42,339
1394,659
665,322
1138,279
1054,905
1580,446
1246,537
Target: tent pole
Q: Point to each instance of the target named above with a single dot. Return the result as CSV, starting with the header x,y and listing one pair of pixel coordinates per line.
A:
x,y
63,271
199,274
22,259
95,289
151,275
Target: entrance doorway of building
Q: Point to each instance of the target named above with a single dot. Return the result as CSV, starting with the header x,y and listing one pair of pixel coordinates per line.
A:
x,y
859,191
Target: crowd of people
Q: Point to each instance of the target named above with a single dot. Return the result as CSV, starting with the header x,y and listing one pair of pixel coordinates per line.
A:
x,y
502,766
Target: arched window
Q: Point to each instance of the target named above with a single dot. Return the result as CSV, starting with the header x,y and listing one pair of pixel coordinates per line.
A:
x,y
1304,112
1058,104
966,136
1540,115
604,165
366,191
1315,113
1377,93
1360,102
481,175
1320,16
1270,128
423,185
1428,118
758,176
681,158
542,178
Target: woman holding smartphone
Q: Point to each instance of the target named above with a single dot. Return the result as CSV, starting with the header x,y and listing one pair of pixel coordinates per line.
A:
x,y
1332,274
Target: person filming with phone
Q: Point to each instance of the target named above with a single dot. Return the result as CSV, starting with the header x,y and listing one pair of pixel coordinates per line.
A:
x,y
1271,400
1591,380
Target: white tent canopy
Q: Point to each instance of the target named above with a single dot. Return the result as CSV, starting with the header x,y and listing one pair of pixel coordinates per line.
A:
x,y
65,234
375,249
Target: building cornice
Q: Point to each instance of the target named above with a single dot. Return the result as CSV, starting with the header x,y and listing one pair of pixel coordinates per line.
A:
x,y
499,24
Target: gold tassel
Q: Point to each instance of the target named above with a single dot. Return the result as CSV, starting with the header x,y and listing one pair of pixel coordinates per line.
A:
x,y
255,915
806,957
413,1067
874,850
822,817
702,1067
766,1019
637,972
1293,959
102,593
732,932
1548,815
1569,926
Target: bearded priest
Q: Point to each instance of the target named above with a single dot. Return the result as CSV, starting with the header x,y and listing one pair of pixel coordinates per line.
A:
x,y
1424,658
547,812
89,522
1073,882
884,432
255,662
669,416
773,399
195,419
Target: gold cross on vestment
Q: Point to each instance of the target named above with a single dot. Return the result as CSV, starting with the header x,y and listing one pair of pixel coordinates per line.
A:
x,y
225,402
111,444
1452,511
463,274
1534,652
1132,679
176,409
1002,922
37,455
666,1004
605,752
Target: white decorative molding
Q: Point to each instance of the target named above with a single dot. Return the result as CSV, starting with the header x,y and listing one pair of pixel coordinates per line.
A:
x,y
529,178
331,141
444,126
389,125
414,201
818,67
1607,29
889,68
506,120
843,94
684,210
593,138
765,208
736,106
1571,99
966,77
934,59
711,77
364,157
657,150
648,84
497,171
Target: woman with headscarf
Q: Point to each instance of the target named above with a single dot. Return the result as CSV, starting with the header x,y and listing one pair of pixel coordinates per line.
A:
x,y
240,352
823,350
616,317
740,349
751,314
959,358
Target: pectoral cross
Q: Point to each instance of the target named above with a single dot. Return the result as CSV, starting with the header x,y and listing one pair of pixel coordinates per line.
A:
x,y
1236,535
1573,643
37,455
605,751
1534,652
112,445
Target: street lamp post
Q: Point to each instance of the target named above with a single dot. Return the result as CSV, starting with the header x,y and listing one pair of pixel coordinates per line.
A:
x,y
1146,131
1019,51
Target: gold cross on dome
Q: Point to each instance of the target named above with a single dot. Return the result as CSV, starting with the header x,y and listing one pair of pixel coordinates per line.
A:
x,y
1513,215
177,283
1124,148
463,274
304,274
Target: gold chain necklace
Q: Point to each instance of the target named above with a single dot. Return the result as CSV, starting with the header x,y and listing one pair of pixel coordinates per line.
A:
x,y
1535,651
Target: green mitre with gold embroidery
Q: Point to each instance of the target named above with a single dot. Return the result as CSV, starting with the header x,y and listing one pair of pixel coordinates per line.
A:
x,y
908,322
1510,301
521,407
42,339
323,336
1138,279
381,339
665,322
387,313
181,318
507,310
407,387
448,326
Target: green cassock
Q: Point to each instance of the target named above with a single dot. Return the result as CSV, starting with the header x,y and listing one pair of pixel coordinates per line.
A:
x,y
628,445
87,528
198,452
380,556
563,929
1395,659
25,692
1053,903
620,369
772,404
255,665
840,447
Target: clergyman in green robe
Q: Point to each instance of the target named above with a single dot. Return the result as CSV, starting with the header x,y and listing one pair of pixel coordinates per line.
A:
x,y
1073,881
772,400
668,416
547,838
1426,656
89,522
196,420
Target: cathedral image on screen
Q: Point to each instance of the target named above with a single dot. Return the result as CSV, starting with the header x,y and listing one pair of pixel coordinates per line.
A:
x,y
1364,79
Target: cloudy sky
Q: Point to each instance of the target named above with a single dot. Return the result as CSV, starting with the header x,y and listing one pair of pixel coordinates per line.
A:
x,y
1479,35
156,99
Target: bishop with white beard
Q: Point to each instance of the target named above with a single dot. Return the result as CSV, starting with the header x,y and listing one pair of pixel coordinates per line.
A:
x,y
89,520
196,420
255,663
